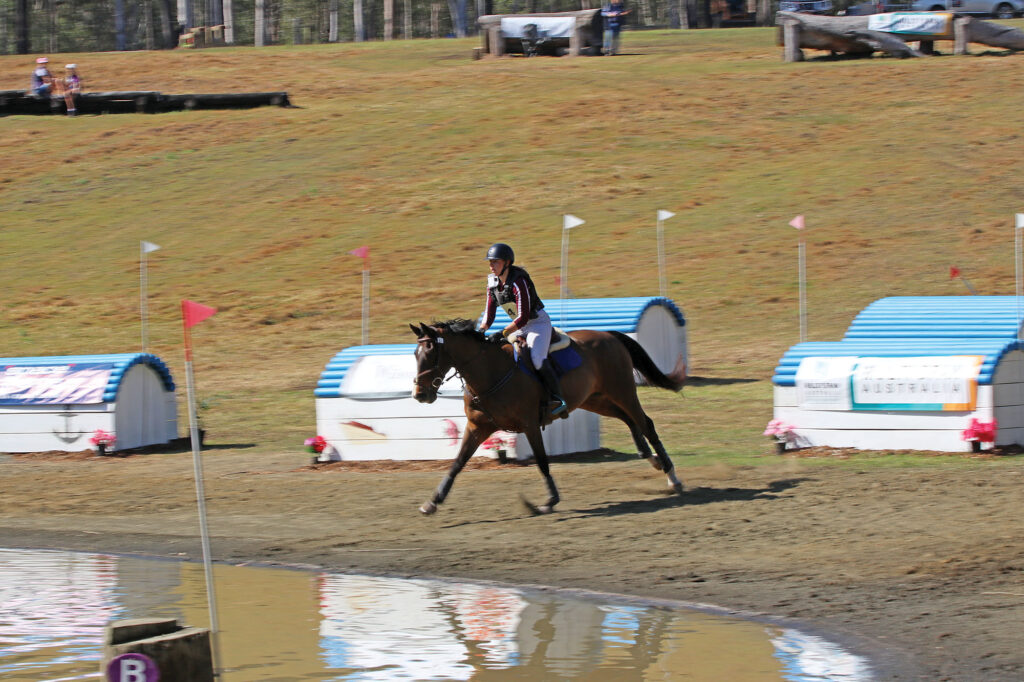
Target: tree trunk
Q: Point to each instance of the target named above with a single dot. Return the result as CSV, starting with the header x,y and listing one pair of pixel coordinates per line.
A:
x,y
119,42
259,24
166,30
147,20
407,19
389,19
22,43
357,21
332,31
435,20
228,10
457,10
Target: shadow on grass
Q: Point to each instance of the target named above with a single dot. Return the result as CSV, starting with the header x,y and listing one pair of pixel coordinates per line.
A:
x,y
718,381
689,498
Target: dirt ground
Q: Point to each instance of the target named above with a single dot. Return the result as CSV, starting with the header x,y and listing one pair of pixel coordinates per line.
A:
x,y
920,569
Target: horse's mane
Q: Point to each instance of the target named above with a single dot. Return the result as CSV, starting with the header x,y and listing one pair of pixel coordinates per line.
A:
x,y
462,327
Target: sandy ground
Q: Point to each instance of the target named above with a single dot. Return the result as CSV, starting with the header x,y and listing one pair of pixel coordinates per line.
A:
x,y
919,569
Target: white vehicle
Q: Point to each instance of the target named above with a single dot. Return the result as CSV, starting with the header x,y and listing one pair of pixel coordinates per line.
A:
x,y
1001,9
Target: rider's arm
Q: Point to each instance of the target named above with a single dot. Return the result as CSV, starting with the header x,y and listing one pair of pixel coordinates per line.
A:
x,y
489,312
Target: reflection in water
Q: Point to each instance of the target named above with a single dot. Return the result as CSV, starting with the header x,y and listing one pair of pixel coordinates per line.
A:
x,y
289,625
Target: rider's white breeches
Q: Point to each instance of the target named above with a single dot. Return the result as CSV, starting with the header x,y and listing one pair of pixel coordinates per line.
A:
x,y
538,337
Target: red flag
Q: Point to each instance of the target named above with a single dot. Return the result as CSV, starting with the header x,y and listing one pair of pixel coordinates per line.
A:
x,y
954,272
194,313
362,252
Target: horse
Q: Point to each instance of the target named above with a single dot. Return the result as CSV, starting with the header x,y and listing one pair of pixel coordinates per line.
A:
x,y
501,394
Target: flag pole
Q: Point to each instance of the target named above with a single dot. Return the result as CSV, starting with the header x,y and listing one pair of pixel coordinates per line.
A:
x,y
366,300
662,217
801,253
799,223
569,221
142,291
197,469
564,283
1019,268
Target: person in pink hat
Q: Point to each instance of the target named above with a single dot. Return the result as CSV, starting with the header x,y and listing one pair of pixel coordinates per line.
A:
x,y
42,80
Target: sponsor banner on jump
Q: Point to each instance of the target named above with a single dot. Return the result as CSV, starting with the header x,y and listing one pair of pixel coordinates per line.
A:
x,y
824,383
913,23
948,383
78,383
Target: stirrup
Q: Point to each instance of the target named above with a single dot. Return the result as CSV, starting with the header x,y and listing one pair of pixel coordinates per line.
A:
x,y
561,407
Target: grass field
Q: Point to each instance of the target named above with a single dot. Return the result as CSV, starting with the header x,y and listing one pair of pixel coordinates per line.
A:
x,y
902,169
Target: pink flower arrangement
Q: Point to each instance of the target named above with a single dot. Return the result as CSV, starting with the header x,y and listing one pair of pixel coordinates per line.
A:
x,y
782,432
981,432
316,444
101,437
501,440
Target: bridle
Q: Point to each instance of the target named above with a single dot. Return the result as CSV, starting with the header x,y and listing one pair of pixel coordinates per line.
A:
x,y
441,377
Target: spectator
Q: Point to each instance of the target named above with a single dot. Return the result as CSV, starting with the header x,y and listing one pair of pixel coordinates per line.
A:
x,y
42,81
614,15
71,86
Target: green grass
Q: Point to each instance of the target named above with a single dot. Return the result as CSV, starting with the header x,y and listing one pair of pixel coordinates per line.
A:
x,y
901,167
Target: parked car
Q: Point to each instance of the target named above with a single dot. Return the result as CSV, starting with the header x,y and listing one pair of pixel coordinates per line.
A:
x,y
877,7
1001,9
808,6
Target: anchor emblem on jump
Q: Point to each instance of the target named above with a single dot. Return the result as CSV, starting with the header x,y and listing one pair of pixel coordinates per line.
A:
x,y
68,436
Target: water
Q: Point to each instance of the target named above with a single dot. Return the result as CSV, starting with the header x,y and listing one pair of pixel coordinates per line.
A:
x,y
283,625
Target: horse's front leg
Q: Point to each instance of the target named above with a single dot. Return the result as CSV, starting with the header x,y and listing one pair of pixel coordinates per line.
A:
x,y
472,437
541,457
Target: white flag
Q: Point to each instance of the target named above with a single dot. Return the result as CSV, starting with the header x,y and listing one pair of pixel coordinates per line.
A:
x,y
149,247
1020,220
664,215
570,221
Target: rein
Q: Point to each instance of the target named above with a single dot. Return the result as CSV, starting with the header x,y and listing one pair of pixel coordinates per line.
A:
x,y
437,381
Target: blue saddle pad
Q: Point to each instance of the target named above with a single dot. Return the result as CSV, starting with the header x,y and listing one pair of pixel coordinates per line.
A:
x,y
562,361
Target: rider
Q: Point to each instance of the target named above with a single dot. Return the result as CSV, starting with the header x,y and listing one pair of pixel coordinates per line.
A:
x,y
509,287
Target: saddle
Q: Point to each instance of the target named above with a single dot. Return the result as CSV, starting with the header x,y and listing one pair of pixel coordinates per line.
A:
x,y
559,340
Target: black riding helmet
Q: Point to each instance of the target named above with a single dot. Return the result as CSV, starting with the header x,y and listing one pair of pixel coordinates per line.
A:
x,y
501,251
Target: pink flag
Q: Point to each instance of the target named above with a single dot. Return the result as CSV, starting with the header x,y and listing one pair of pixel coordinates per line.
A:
x,y
798,222
362,252
194,313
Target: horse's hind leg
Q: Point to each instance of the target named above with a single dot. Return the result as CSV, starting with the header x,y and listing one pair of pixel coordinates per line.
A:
x,y
633,409
609,409
541,457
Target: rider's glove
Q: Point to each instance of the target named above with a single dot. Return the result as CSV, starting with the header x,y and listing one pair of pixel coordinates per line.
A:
x,y
496,337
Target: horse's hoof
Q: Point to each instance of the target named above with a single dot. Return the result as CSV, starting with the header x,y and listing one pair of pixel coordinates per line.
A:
x,y
428,508
655,462
534,509
676,487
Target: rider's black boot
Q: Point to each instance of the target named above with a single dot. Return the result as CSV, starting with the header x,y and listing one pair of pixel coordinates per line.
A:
x,y
550,380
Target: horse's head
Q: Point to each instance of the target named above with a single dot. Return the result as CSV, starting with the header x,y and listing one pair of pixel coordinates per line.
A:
x,y
432,362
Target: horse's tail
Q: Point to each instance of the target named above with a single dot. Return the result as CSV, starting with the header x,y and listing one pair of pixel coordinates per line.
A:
x,y
643,363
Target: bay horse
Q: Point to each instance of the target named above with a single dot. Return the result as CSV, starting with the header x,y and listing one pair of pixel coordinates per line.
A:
x,y
500,394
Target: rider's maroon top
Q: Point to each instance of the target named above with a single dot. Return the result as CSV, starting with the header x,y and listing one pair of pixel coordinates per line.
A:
x,y
517,296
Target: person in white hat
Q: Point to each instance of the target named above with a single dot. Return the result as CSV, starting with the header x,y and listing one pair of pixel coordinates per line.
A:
x,y
72,86
42,81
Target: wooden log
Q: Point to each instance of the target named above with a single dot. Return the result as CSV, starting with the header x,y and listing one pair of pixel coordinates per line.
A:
x,y
589,32
496,41
850,34
961,33
19,102
575,41
791,41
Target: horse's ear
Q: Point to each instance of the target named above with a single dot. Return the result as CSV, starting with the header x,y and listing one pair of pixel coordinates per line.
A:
x,y
415,330
429,331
